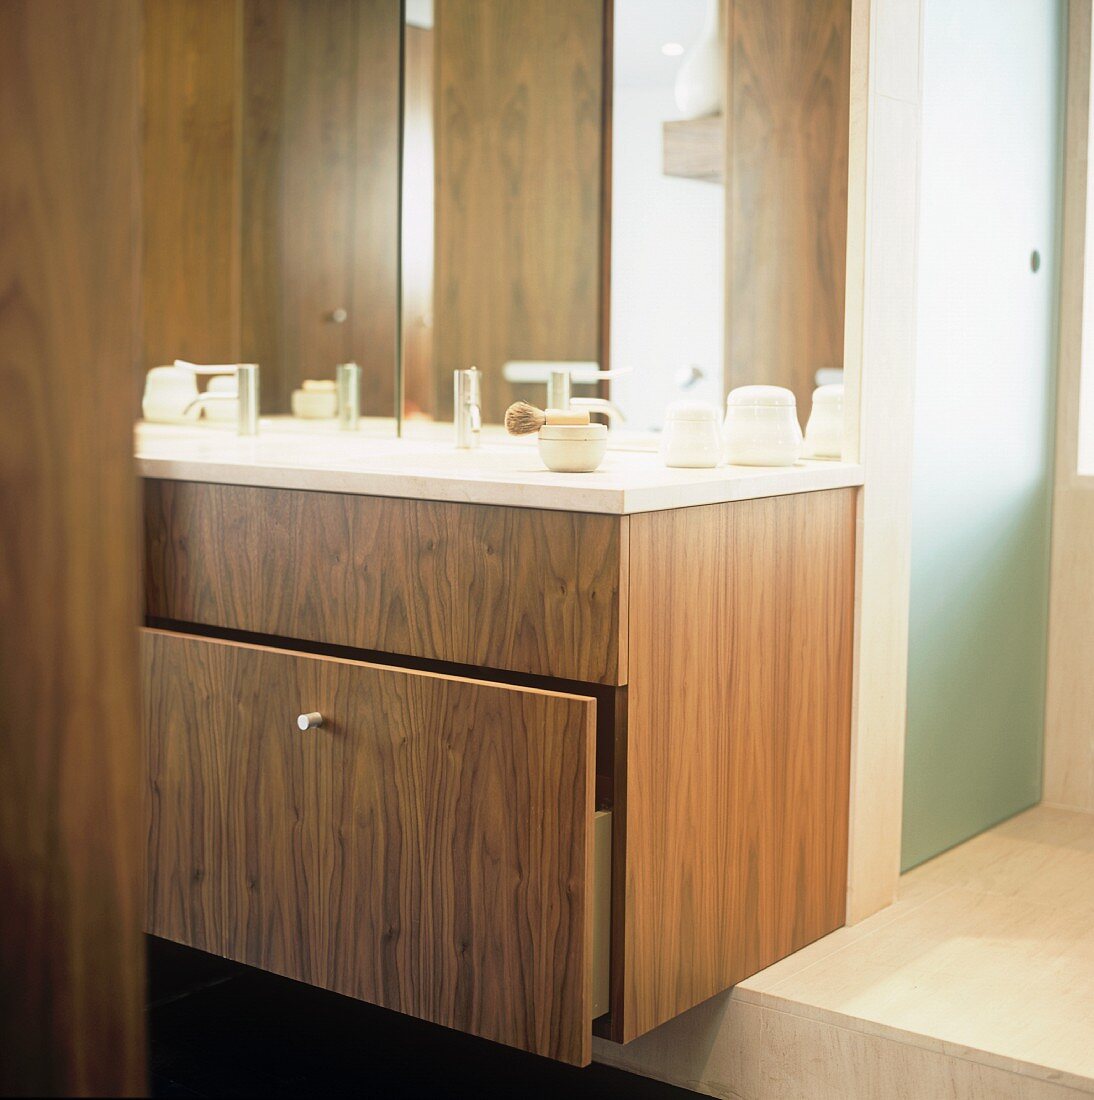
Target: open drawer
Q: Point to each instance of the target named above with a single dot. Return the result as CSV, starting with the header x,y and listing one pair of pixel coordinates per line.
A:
x,y
428,847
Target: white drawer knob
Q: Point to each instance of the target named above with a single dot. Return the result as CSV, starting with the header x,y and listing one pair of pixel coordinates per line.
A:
x,y
311,721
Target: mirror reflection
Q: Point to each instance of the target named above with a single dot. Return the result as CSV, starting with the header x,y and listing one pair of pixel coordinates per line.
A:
x,y
270,192
503,192
667,206
540,162
556,171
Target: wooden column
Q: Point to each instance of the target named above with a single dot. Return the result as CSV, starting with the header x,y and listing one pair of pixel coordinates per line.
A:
x,y
71,955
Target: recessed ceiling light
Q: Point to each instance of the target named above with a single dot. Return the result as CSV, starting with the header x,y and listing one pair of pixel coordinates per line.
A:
x,y
672,49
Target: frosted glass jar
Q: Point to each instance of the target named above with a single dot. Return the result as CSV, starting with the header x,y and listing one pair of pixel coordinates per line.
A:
x,y
761,427
824,432
692,437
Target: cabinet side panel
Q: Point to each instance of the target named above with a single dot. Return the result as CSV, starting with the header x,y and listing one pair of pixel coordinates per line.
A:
x,y
738,738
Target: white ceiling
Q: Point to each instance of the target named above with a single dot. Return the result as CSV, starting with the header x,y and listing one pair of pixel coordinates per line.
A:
x,y
642,27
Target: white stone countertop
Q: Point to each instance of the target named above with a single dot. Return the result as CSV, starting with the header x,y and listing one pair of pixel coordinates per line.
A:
x,y
287,455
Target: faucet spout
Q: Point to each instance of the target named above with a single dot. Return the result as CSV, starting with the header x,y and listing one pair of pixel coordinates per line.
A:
x,y
600,405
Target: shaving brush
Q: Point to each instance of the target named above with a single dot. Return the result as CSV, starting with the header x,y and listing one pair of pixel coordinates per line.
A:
x,y
524,419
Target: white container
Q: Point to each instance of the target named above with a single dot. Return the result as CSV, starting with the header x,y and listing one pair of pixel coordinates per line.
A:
x,y
222,412
312,404
572,448
824,432
761,427
692,437
167,392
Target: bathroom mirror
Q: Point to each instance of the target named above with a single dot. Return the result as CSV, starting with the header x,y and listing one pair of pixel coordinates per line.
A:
x,y
668,298
561,197
536,179
503,193
271,191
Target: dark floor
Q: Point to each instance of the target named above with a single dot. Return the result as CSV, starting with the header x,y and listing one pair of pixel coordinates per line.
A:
x,y
220,1029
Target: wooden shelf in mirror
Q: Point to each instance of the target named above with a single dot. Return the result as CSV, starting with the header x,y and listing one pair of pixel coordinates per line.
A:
x,y
695,148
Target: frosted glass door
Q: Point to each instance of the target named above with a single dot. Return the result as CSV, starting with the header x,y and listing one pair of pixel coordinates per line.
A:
x,y
981,476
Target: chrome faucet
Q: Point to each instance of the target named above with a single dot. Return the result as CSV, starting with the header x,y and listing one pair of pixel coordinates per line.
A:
x,y
348,379
560,384
467,407
559,389
246,393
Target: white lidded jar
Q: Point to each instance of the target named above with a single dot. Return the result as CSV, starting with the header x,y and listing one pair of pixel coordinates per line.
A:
x,y
761,427
572,448
824,432
692,437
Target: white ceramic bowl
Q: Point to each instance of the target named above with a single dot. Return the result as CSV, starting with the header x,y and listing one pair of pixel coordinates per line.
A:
x,y
761,427
824,432
572,448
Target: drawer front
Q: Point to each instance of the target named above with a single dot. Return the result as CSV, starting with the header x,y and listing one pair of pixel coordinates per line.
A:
x,y
508,588
428,848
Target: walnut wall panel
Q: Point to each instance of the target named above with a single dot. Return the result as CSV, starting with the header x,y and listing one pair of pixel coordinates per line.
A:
x,y
786,166
190,276
419,377
72,990
738,743
318,168
518,148
374,298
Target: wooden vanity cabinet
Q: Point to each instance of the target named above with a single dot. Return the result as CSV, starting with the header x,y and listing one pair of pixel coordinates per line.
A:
x,y
486,672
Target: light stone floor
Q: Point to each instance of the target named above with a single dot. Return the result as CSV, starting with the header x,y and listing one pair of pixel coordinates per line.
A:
x,y
978,982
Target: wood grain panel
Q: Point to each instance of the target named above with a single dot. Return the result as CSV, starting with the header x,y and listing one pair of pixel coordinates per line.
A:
x,y
428,849
190,276
419,376
738,741
1069,726
879,384
787,149
71,958
695,148
518,145
507,588
262,210
319,180
374,298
